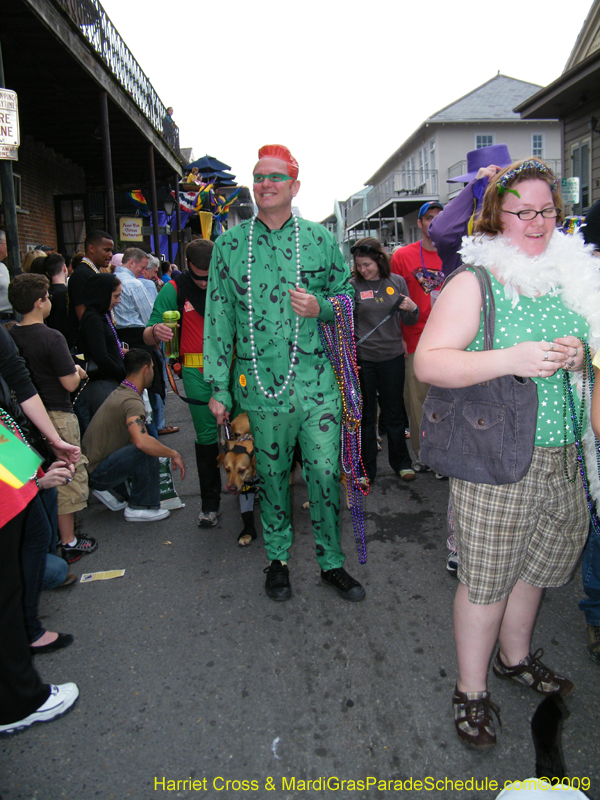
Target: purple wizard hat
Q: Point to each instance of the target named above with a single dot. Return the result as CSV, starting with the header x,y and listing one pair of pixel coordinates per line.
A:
x,y
476,159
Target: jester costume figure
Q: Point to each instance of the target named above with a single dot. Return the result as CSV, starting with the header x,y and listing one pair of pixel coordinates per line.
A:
x,y
268,287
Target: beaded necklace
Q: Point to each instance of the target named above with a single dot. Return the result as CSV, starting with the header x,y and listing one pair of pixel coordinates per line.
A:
x,y
338,343
131,385
588,378
114,330
10,423
90,264
267,393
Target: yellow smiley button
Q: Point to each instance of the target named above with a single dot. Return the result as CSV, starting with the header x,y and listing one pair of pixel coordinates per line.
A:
x,y
242,380
390,290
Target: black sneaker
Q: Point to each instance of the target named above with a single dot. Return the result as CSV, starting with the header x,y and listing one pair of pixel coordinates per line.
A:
x,y
83,547
277,584
344,584
71,555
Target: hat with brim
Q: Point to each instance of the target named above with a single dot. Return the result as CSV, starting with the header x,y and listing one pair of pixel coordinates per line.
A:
x,y
476,159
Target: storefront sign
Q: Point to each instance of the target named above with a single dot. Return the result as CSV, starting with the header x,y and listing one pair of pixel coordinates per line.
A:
x,y
9,124
130,229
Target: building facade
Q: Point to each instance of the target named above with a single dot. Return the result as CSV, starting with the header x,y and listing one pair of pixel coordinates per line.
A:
x,y
574,99
92,126
420,168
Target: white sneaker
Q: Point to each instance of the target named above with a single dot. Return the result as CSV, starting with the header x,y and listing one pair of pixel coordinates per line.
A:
x,y
61,700
452,562
207,519
146,514
109,500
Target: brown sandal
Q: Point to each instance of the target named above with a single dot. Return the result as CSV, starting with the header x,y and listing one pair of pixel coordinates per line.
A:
x,y
168,429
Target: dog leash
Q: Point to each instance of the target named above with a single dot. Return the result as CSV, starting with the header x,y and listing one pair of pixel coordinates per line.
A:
x,y
189,400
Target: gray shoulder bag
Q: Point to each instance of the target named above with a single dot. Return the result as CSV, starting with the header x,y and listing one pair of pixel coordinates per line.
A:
x,y
483,433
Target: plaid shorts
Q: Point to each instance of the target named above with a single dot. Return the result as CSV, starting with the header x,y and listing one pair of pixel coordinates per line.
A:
x,y
534,530
73,496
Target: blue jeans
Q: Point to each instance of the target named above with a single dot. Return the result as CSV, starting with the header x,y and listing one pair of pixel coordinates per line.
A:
x,y
386,379
55,571
130,462
55,568
158,410
90,399
590,572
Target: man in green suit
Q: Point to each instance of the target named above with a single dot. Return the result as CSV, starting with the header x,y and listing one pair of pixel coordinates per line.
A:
x,y
269,281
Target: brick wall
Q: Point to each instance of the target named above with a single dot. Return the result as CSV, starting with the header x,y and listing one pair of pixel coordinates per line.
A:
x,y
44,174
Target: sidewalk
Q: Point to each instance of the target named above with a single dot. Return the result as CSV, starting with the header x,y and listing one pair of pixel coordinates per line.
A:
x,y
188,672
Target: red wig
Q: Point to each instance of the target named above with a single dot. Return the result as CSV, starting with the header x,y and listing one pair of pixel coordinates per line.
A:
x,y
279,151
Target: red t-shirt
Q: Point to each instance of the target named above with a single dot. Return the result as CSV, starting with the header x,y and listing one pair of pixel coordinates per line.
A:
x,y
409,262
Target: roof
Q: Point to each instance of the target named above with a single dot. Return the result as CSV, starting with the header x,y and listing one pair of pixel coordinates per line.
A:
x,y
574,87
588,41
493,100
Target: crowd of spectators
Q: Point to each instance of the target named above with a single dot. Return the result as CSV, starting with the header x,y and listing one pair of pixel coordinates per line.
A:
x,y
84,369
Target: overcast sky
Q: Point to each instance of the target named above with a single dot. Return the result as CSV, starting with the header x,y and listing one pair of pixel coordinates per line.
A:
x,y
341,84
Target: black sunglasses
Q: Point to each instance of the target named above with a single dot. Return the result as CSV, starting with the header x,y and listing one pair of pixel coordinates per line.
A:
x,y
364,249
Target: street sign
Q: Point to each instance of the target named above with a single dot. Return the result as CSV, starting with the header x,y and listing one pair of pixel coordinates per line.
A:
x,y
9,124
7,151
569,189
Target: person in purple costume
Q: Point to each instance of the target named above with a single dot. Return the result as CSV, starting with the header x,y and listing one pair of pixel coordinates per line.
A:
x,y
456,220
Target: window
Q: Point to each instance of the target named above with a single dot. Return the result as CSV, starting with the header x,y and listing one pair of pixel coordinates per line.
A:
x,y
71,216
17,190
432,164
423,164
537,145
580,160
483,140
413,234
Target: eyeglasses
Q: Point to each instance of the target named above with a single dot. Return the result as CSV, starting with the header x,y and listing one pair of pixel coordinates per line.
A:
x,y
364,249
198,277
274,177
530,213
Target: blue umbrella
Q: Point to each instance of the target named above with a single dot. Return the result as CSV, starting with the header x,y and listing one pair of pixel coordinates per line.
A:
x,y
208,164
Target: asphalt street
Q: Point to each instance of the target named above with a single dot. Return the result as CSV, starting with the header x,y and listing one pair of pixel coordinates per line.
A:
x,y
194,684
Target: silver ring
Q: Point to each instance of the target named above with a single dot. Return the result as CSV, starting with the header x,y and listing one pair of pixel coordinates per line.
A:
x,y
540,374
546,356
551,345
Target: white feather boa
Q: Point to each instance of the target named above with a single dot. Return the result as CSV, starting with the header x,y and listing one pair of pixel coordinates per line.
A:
x,y
567,268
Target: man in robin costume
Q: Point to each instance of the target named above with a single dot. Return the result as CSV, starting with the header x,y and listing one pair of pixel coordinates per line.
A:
x,y
187,294
269,281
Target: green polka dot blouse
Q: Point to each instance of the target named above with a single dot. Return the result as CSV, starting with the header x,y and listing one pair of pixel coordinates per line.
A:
x,y
536,319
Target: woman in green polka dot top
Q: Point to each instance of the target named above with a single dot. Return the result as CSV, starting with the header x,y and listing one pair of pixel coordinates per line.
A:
x,y
514,540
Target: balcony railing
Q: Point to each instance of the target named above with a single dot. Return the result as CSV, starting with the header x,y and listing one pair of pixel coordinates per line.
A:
x,y
96,27
356,212
403,183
